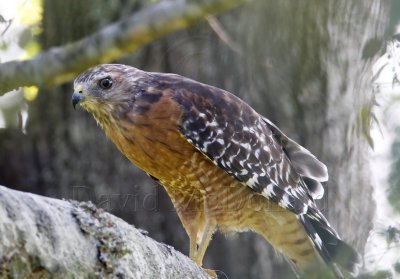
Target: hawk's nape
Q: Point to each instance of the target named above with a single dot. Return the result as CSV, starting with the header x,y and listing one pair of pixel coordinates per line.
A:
x,y
223,165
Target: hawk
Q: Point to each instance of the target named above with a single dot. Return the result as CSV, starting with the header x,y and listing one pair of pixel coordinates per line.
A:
x,y
223,165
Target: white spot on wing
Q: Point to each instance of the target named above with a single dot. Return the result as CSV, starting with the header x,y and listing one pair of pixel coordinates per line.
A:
x,y
252,181
269,191
213,123
244,172
284,202
246,145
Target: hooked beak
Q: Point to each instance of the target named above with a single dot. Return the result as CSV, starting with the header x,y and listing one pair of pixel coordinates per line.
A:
x,y
76,98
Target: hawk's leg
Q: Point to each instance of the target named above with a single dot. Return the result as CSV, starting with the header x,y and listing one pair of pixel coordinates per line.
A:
x,y
192,215
199,244
199,237
193,246
202,240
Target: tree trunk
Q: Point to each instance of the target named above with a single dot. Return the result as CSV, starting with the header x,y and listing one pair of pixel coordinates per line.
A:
x,y
49,238
303,64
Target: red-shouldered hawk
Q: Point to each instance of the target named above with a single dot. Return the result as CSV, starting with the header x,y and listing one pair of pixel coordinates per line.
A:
x,y
223,165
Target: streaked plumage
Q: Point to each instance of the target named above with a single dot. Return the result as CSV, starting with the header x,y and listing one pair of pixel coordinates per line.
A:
x,y
224,165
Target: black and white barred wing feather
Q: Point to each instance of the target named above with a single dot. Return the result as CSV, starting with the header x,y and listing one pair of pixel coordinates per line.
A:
x,y
254,151
249,147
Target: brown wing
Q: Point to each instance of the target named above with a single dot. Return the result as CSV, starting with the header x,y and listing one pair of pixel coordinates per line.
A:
x,y
243,143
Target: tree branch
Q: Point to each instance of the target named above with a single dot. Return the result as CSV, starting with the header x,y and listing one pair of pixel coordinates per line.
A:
x,y
44,237
61,64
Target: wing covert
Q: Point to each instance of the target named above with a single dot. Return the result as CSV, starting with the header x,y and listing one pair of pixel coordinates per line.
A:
x,y
241,142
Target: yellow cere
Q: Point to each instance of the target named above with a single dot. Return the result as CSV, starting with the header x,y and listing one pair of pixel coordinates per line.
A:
x,y
78,88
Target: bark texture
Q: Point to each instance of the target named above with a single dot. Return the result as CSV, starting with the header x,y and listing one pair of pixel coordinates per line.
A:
x,y
109,43
49,238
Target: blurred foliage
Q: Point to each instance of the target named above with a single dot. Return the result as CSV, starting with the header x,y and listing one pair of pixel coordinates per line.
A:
x,y
365,120
396,267
372,47
30,13
19,41
327,274
13,110
30,92
25,24
392,234
380,274
394,176
394,18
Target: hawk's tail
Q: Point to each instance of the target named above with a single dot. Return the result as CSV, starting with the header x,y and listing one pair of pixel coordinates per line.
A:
x,y
336,253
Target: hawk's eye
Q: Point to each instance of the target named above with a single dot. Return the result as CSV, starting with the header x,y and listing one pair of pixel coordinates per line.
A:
x,y
106,83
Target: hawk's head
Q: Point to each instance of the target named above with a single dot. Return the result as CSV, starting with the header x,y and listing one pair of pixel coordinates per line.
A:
x,y
110,91
106,86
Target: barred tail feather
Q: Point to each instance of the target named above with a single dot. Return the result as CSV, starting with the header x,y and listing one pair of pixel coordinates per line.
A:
x,y
336,253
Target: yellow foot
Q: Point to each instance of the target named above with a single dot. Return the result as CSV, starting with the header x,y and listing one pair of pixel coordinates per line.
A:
x,y
211,272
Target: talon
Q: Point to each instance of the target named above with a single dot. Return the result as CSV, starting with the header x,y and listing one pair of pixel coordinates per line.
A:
x,y
211,272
